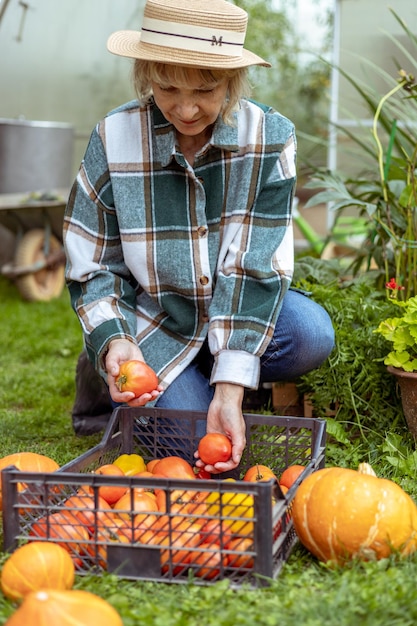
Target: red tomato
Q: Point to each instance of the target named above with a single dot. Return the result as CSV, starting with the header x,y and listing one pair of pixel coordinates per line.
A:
x,y
64,526
214,448
198,511
116,532
151,464
124,525
185,536
259,473
208,564
136,502
290,475
201,473
84,509
111,493
173,467
142,523
164,524
241,546
136,376
179,500
144,474
216,531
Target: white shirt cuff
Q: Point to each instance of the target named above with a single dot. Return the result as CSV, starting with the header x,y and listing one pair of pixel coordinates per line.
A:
x,y
237,367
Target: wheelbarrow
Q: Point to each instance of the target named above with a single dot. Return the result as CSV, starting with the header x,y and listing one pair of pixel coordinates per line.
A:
x,y
38,262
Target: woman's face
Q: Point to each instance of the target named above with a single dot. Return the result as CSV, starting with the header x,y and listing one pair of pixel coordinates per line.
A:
x,y
191,108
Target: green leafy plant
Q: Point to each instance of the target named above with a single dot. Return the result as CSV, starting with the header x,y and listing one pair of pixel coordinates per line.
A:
x,y
401,331
385,192
399,455
353,381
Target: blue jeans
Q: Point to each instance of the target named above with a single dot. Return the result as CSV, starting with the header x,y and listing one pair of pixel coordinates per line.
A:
x,y
303,339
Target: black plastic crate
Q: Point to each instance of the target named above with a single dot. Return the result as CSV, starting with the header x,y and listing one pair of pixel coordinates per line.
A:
x,y
256,515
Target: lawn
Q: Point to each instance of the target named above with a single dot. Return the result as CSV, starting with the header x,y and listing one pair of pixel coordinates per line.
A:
x,y
40,344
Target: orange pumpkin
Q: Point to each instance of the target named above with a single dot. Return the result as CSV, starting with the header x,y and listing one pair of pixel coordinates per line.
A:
x,y
28,462
36,565
66,608
341,514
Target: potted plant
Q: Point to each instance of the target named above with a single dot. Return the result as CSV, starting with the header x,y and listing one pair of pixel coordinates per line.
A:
x,y
384,193
352,385
401,331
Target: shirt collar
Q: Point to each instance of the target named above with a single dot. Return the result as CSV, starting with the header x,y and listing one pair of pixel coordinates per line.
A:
x,y
224,136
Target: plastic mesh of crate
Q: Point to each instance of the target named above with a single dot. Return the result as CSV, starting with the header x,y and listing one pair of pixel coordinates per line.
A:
x,y
205,530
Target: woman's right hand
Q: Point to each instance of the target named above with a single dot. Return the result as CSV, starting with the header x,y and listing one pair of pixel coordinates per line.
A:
x,y
225,416
121,350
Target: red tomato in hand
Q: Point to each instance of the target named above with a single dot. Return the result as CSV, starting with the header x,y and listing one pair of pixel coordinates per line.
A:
x,y
214,448
136,376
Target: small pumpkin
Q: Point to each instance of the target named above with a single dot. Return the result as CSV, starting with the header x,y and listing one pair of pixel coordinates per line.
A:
x,y
36,565
64,608
27,462
341,514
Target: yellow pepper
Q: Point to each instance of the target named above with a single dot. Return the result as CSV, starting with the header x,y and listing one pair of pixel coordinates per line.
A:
x,y
130,464
234,505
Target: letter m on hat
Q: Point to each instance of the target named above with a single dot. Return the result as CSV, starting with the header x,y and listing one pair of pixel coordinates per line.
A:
x,y
215,41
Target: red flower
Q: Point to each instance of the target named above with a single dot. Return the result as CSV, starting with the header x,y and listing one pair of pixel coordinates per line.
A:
x,y
393,285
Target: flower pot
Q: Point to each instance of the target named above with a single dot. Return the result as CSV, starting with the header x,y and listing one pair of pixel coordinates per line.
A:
x,y
408,388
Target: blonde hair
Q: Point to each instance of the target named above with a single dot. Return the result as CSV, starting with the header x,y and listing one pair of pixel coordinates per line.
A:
x,y
146,72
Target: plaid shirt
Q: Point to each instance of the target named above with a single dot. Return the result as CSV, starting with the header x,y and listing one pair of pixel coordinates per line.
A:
x,y
166,254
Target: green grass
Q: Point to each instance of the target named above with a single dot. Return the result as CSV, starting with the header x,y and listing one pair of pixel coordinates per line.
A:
x,y
40,343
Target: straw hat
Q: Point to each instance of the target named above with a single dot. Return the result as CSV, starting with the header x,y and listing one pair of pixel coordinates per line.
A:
x,y
197,33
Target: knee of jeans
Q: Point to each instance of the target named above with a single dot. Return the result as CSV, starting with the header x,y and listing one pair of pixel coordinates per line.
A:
x,y
327,343
321,341
315,333
312,352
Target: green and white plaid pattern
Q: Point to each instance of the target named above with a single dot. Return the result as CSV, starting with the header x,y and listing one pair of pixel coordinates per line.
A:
x,y
166,254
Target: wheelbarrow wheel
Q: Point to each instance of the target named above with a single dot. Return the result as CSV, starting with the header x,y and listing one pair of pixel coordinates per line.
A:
x,y
46,283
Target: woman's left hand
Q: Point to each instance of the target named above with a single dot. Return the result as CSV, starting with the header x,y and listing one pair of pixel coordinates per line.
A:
x,y
121,350
225,416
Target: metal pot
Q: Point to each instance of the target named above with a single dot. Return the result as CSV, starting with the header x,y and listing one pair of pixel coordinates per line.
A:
x,y
35,155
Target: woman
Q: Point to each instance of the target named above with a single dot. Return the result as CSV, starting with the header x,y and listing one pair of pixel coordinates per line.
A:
x,y
178,229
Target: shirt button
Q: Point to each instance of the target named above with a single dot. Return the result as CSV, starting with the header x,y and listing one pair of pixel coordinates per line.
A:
x,y
202,231
204,280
